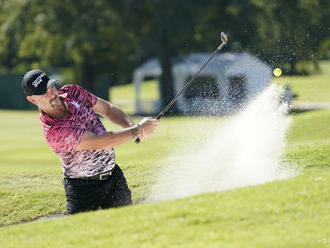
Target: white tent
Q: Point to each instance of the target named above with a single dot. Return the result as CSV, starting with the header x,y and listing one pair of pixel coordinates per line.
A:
x,y
228,81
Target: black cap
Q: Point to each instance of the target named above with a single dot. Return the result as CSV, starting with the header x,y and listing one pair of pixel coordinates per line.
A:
x,y
36,82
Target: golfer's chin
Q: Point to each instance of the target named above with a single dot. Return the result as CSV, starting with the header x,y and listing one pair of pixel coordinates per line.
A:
x,y
54,106
55,103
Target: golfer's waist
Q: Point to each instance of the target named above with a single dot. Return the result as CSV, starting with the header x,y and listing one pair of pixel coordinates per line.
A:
x,y
98,177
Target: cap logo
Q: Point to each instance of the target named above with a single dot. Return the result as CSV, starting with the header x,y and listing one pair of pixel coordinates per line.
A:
x,y
38,80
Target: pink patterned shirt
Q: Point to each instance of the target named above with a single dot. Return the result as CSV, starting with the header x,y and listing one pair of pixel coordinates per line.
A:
x,y
64,134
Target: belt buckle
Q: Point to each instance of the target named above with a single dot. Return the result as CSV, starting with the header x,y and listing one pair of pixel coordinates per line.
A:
x,y
104,175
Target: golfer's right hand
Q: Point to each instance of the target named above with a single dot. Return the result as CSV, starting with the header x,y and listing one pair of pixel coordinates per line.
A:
x,y
147,127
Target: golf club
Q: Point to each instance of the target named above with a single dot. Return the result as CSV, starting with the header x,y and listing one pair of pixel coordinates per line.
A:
x,y
223,43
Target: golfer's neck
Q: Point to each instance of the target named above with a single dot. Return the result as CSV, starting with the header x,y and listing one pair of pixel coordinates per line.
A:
x,y
55,113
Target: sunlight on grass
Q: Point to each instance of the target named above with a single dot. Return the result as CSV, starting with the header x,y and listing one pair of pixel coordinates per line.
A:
x,y
124,95
313,88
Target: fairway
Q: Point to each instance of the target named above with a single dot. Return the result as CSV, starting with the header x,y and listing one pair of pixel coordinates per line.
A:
x,y
314,88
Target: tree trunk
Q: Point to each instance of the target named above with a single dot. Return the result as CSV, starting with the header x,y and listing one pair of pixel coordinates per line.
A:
x,y
88,77
166,80
293,69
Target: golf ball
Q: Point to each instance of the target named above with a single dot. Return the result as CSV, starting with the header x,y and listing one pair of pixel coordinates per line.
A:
x,y
277,72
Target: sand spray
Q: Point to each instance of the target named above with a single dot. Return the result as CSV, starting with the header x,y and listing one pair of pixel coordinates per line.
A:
x,y
244,149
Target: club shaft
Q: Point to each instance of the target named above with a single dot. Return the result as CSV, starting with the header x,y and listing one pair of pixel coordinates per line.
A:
x,y
187,84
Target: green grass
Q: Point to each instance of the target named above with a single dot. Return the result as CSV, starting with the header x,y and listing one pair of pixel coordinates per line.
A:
x,y
314,88
282,214
124,95
288,213
23,147
30,175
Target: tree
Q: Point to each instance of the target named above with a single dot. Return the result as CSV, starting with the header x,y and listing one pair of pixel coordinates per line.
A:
x,y
84,37
90,39
164,29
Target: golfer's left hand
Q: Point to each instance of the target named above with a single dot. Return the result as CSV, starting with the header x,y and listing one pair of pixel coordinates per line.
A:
x,y
147,127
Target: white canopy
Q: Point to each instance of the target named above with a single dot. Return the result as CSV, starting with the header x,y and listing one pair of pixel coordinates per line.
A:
x,y
227,71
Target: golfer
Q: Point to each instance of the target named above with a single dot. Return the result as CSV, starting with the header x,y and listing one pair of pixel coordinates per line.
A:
x,y
73,130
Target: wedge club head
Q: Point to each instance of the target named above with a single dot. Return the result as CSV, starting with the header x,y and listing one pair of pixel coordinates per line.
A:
x,y
224,37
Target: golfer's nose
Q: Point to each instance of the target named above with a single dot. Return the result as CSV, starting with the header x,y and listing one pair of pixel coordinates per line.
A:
x,y
51,91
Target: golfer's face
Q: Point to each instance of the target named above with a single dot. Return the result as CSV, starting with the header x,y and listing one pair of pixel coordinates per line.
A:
x,y
50,99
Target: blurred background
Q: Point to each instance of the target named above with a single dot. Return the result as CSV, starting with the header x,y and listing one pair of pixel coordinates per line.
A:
x,y
102,44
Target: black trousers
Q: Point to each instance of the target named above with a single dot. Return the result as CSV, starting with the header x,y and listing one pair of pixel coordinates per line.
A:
x,y
85,195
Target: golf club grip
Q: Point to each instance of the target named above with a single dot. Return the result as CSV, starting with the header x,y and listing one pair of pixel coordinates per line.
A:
x,y
137,140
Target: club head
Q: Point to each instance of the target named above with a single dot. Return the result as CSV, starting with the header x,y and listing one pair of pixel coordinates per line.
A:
x,y
223,37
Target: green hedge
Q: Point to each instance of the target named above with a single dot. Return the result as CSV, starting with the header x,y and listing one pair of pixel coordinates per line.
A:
x,y
11,94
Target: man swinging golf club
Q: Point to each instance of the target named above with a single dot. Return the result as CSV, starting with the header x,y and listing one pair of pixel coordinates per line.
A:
x,y
73,130
71,126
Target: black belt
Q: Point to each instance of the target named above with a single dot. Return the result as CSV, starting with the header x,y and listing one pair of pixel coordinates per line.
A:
x,y
99,177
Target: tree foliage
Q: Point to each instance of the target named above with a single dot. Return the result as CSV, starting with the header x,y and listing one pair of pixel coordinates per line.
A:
x,y
87,40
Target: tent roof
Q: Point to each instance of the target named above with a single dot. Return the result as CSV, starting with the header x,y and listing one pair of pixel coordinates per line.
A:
x,y
194,59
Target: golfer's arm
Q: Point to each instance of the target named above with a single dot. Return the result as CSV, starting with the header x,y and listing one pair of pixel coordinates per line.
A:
x,y
90,141
112,112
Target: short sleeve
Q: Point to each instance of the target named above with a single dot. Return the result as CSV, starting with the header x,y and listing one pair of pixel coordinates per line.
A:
x,y
89,96
64,139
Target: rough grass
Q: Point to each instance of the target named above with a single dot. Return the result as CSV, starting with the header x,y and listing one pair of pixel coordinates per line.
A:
x,y
289,213
283,214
